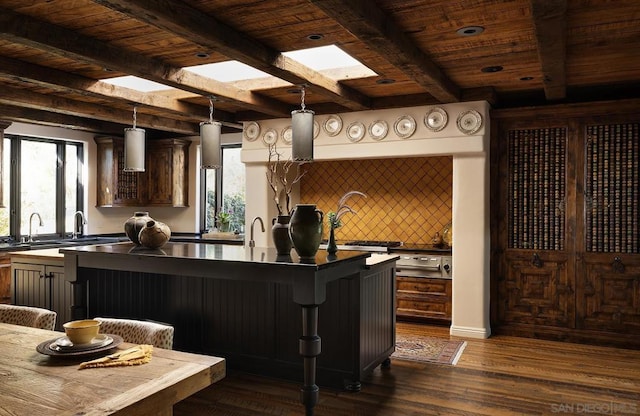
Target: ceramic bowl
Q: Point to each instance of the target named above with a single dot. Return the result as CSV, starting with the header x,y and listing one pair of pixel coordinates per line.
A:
x,y
81,332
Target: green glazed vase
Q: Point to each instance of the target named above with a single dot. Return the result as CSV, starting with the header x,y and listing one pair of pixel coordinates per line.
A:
x,y
305,229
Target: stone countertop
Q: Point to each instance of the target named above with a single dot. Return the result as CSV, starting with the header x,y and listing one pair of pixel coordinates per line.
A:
x,y
216,252
47,253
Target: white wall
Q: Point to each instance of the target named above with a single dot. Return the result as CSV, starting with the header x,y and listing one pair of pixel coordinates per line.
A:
x,y
470,191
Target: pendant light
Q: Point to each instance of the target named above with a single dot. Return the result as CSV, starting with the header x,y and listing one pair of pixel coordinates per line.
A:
x,y
134,144
302,133
210,141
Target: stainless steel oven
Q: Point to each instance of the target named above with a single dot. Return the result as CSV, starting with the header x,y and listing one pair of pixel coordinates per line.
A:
x,y
419,264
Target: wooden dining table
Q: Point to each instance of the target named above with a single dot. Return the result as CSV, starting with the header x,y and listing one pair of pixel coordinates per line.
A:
x,y
36,384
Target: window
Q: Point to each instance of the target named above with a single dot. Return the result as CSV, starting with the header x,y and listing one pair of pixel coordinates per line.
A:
x,y
224,191
42,185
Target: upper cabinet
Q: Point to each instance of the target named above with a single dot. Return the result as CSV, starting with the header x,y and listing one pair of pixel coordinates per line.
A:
x,y
165,181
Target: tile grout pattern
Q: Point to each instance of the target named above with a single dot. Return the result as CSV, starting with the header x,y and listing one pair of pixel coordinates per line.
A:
x,y
408,199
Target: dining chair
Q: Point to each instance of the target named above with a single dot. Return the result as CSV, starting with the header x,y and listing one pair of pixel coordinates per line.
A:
x,y
138,332
28,316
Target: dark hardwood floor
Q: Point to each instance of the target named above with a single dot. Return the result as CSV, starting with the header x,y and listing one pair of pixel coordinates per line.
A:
x,y
497,376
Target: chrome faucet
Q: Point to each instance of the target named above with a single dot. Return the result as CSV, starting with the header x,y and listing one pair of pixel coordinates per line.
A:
x,y
252,243
30,239
77,225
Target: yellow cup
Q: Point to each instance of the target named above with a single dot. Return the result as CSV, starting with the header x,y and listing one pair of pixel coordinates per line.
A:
x,y
83,331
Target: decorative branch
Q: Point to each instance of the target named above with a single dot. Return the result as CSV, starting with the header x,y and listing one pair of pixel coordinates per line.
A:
x,y
334,217
279,179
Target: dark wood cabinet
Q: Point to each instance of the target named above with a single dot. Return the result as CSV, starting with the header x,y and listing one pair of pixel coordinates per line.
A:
x,y
565,243
165,181
423,299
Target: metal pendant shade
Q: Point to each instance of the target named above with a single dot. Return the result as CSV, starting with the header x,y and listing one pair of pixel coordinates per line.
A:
x,y
302,133
210,132
134,147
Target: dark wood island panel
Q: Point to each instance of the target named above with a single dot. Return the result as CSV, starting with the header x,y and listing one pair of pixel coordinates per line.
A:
x,y
244,304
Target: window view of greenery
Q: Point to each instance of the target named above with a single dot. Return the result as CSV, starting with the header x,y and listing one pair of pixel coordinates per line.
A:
x,y
47,176
5,209
227,214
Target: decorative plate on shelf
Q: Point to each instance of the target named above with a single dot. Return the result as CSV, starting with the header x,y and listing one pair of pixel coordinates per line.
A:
x,y
332,125
316,129
270,137
287,135
469,121
405,126
251,131
355,131
436,119
378,129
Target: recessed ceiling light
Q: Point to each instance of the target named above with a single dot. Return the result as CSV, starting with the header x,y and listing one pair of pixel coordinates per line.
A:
x,y
202,55
496,68
385,81
470,30
315,36
526,78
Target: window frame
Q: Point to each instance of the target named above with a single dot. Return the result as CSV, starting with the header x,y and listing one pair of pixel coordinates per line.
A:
x,y
16,182
219,179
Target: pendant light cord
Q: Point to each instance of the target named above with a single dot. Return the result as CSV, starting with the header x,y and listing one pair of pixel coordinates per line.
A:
x,y
210,109
135,116
302,92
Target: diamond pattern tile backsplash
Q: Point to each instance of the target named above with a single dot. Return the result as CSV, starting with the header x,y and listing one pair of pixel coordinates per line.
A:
x,y
408,200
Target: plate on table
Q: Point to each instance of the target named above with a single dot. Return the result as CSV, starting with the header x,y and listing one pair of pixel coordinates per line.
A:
x,y
436,119
405,126
58,347
469,121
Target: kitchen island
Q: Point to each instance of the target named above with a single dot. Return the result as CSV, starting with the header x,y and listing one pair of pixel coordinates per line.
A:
x,y
244,304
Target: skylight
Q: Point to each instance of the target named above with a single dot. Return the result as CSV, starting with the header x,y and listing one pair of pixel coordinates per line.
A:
x,y
228,71
323,58
138,84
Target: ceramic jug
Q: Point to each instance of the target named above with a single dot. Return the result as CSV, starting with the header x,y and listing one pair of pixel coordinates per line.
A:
x,y
280,234
154,234
305,229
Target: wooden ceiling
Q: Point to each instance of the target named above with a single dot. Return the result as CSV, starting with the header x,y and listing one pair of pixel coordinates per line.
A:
x,y
53,54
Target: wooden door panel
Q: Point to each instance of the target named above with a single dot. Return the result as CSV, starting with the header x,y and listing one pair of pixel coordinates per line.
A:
x,y
534,293
611,297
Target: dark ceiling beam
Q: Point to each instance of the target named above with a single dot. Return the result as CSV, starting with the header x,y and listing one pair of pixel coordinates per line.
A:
x,y
550,26
52,103
37,34
373,27
185,21
47,118
67,82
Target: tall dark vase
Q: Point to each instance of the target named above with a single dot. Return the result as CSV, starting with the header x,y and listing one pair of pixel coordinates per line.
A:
x,y
305,229
280,234
332,248
136,223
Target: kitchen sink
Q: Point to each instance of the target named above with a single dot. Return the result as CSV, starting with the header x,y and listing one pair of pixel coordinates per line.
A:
x,y
63,242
